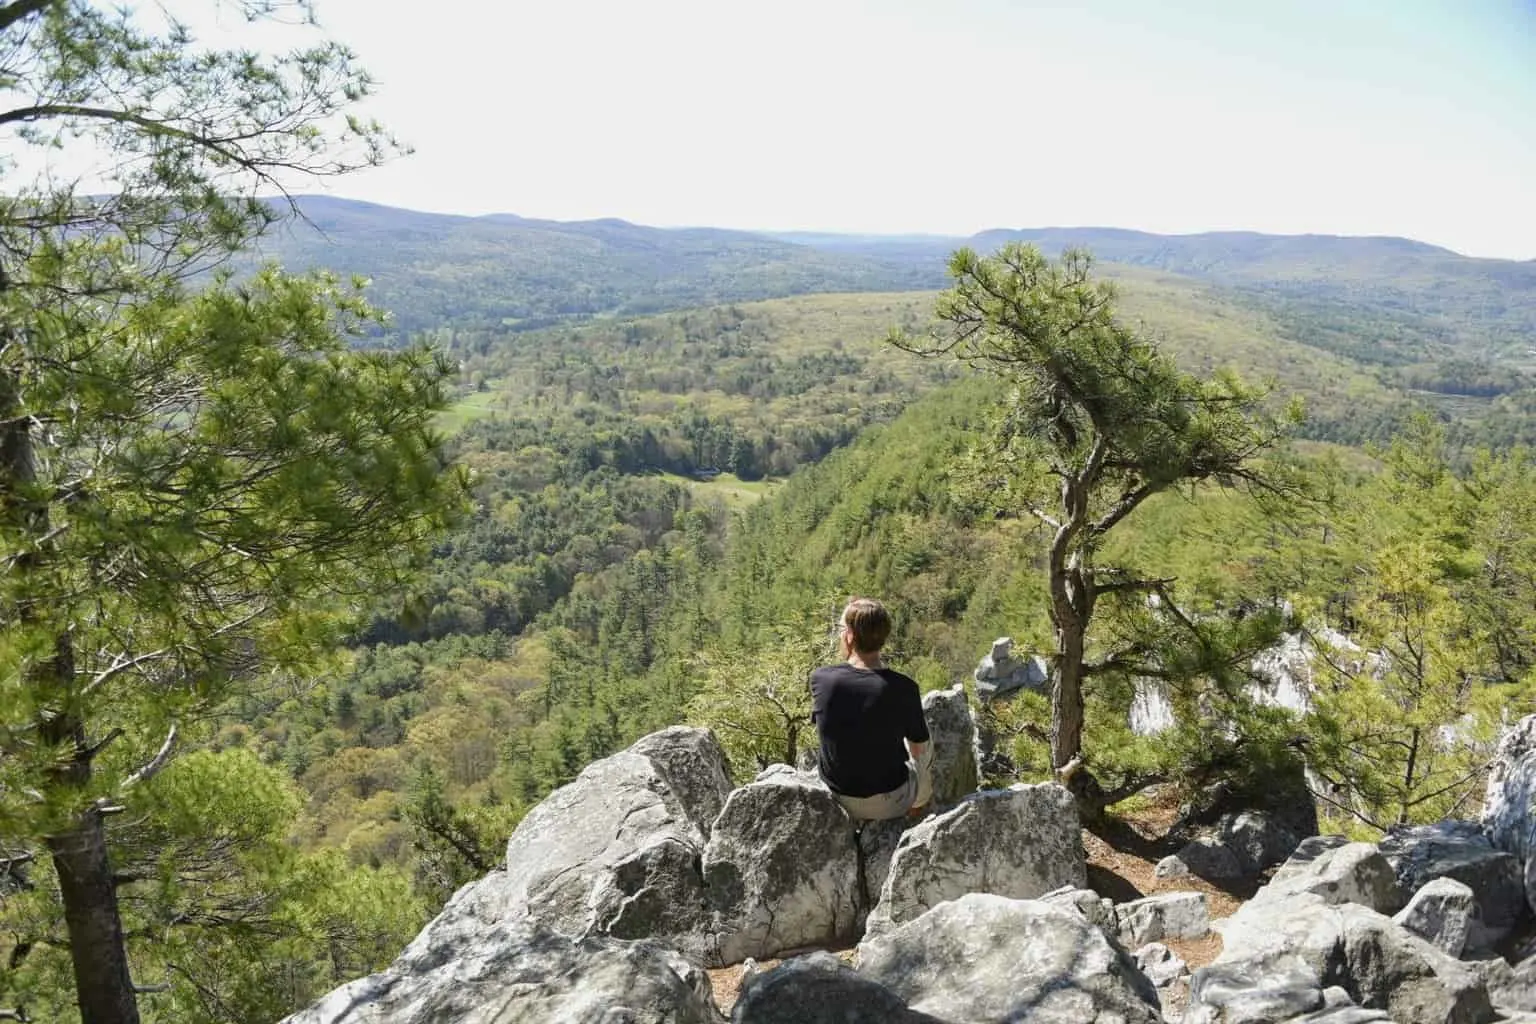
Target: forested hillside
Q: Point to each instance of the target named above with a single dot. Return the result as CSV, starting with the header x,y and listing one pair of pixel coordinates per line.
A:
x,y
432,270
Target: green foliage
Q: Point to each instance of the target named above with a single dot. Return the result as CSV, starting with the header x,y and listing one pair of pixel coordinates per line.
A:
x,y
759,703
1099,420
225,921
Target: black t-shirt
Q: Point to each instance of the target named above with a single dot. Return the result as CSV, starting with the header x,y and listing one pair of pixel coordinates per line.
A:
x,y
863,715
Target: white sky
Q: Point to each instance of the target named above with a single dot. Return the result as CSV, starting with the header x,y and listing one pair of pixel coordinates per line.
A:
x,y
1401,117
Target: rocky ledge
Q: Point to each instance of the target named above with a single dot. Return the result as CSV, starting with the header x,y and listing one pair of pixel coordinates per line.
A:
x,y
623,885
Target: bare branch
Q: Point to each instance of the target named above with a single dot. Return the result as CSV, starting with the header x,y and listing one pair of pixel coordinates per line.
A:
x,y
156,763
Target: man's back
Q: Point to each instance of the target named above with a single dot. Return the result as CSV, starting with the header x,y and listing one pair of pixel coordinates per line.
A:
x,y
862,716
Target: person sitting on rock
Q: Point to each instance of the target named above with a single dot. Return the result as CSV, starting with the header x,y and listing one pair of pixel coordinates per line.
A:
x,y
875,749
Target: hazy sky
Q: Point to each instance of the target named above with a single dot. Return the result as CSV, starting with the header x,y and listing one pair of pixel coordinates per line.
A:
x,y
949,116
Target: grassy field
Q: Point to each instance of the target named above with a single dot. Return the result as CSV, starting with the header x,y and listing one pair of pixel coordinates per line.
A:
x,y
736,493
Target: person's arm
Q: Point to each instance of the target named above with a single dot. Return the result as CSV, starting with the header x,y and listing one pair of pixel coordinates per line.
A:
x,y
920,745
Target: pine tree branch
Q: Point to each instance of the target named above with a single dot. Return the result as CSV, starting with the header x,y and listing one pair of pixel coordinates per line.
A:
x,y
11,13
156,763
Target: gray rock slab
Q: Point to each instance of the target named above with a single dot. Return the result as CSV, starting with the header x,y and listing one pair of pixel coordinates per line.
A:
x,y
780,869
953,732
1263,990
1461,850
1510,988
983,958
1441,913
1169,915
1257,839
1097,910
693,765
1380,964
524,971
819,989
1339,873
1021,842
1204,858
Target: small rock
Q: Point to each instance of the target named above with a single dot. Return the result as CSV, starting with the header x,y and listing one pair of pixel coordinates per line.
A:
x,y
1172,915
1097,910
1203,858
1160,963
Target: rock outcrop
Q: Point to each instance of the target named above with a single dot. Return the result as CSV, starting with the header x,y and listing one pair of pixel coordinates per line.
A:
x,y
984,958
1461,850
953,730
1022,842
525,971
621,885
781,869
1000,673
1509,807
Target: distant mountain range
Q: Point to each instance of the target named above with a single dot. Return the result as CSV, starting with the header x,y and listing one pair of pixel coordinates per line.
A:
x,y
501,270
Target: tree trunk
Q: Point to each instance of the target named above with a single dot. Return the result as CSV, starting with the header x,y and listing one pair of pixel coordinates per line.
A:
x,y
102,982
103,986
1067,696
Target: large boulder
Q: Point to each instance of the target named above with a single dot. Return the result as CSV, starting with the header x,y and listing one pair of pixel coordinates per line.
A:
x,y
613,852
1257,839
1379,963
781,869
1259,991
694,768
1205,858
1441,913
984,958
525,971
1461,850
1509,806
1339,872
1512,989
1022,842
819,989
953,731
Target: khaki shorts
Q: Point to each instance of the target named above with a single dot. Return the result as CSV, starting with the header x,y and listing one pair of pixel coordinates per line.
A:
x,y
915,792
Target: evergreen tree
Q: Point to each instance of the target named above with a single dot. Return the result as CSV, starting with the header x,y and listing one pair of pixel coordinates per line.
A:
x,y
183,478
1096,409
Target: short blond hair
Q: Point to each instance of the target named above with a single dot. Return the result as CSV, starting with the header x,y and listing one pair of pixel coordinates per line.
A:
x,y
869,623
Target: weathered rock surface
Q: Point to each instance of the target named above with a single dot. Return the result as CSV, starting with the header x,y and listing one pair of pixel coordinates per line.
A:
x,y
1169,915
1203,858
1000,673
819,989
1339,872
1096,910
1441,913
953,731
694,767
562,856
1021,842
1509,807
1257,839
614,850
984,958
1461,850
524,971
1260,991
1511,989
1160,964
1380,964
780,869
